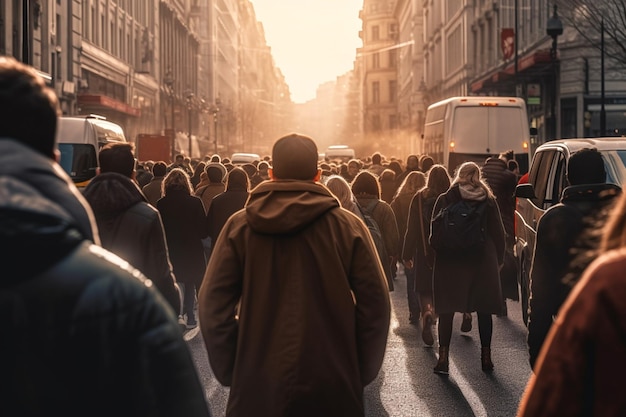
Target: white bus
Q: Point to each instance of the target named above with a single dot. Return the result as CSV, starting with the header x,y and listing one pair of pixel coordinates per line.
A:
x,y
460,129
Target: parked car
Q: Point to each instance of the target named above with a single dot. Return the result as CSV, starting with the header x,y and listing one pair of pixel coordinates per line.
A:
x,y
240,158
546,181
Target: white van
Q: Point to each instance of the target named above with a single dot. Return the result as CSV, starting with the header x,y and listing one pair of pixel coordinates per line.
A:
x,y
341,153
460,129
79,139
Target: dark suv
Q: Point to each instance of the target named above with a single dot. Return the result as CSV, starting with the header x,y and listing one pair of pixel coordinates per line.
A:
x,y
546,181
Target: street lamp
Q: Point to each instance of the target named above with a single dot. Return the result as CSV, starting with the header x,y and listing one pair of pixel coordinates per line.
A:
x,y
189,99
215,110
169,84
554,28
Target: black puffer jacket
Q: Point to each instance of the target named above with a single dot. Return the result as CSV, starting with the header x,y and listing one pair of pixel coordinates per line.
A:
x,y
559,231
82,332
132,229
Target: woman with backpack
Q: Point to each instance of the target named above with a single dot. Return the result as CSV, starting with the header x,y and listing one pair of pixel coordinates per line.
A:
x,y
366,189
417,254
467,262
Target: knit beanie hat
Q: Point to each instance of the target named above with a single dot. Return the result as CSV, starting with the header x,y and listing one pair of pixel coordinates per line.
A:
x,y
295,157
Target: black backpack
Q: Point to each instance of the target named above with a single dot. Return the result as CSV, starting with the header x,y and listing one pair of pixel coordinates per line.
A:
x,y
459,226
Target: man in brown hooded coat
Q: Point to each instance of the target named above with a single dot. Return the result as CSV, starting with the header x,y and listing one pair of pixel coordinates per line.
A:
x,y
294,306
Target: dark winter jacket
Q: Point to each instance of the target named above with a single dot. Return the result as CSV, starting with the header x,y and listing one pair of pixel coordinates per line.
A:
x,y
222,207
503,182
466,281
132,229
83,333
558,231
580,371
294,307
207,192
185,226
416,244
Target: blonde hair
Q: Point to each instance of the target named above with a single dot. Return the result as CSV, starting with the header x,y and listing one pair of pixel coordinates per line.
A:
x,y
176,179
471,174
614,233
412,183
341,189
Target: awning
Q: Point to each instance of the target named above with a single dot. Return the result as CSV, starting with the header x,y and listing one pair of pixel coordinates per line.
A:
x,y
100,101
537,58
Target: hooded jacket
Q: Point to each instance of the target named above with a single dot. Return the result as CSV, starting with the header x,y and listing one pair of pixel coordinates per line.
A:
x,y
132,229
294,306
558,233
82,331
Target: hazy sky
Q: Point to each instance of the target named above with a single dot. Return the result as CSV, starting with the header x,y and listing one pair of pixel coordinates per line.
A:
x,y
312,41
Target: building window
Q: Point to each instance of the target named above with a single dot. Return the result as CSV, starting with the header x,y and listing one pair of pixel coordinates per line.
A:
x,y
375,33
376,60
393,91
375,92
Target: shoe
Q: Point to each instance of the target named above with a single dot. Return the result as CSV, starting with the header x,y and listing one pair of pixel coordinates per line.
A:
x,y
485,359
427,329
191,324
442,363
466,325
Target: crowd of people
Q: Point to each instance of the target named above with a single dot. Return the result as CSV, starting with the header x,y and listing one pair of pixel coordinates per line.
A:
x,y
292,324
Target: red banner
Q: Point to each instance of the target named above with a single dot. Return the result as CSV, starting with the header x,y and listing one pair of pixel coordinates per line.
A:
x,y
507,42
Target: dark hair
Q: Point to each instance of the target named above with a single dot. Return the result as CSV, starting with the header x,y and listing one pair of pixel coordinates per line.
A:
x,y
365,183
159,169
426,163
237,179
507,155
214,173
29,109
512,165
117,157
586,167
437,180
377,158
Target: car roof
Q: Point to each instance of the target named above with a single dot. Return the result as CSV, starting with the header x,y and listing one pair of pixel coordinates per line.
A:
x,y
575,144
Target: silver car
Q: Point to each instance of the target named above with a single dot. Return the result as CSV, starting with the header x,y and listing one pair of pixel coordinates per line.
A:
x,y
546,181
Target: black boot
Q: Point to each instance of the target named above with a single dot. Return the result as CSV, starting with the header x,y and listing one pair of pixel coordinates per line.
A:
x,y
442,363
485,359
427,328
466,324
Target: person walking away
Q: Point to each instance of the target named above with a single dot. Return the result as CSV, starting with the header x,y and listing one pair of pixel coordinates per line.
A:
x,y
129,226
229,202
581,365
412,164
400,206
185,226
417,254
466,278
376,167
366,189
153,189
261,174
293,325
83,332
388,186
503,182
562,232
341,189
197,173
215,175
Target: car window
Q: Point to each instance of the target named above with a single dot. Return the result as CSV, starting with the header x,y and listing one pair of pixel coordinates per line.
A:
x,y
539,175
615,164
557,180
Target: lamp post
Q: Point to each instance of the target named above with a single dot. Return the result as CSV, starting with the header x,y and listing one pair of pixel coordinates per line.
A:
x,y
189,98
554,28
602,95
215,110
169,83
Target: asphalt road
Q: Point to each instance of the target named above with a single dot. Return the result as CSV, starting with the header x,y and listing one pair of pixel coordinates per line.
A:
x,y
406,384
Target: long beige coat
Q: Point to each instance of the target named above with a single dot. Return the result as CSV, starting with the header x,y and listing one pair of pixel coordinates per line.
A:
x,y
294,306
